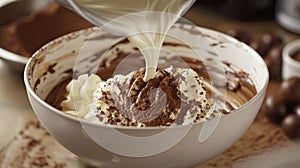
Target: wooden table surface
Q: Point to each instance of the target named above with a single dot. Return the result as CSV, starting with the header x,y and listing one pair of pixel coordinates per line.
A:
x,y
24,141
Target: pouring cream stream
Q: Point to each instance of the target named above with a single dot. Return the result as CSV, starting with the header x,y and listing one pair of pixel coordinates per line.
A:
x,y
144,22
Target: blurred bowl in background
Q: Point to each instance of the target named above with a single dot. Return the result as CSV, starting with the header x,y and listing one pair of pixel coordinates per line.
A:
x,y
13,11
27,25
16,9
288,15
291,60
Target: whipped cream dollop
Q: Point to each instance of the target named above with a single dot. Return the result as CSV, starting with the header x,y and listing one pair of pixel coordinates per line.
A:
x,y
174,96
80,95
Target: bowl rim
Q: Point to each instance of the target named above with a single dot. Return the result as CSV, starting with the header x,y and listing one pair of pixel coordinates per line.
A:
x,y
30,91
13,57
288,50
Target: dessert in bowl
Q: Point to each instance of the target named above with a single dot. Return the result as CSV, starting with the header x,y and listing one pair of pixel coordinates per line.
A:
x,y
138,143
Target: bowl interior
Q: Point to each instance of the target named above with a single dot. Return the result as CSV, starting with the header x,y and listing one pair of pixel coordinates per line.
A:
x,y
78,51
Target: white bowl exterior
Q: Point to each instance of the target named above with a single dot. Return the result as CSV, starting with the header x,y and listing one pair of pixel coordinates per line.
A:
x,y
290,67
188,152
15,61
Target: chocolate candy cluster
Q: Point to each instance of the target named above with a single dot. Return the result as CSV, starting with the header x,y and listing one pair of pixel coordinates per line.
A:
x,y
283,107
269,46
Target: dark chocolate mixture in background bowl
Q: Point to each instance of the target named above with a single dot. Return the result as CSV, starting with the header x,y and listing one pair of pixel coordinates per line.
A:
x,y
25,26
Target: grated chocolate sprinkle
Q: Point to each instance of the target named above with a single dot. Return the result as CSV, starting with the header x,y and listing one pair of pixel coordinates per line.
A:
x,y
157,102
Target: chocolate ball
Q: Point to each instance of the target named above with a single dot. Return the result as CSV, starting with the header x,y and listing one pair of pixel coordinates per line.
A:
x,y
273,60
240,35
291,125
275,52
266,42
275,108
270,39
291,89
274,67
258,47
297,109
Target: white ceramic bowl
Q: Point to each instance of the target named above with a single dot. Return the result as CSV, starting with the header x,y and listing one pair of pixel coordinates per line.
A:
x,y
140,147
290,66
